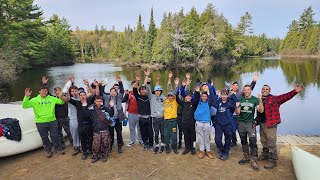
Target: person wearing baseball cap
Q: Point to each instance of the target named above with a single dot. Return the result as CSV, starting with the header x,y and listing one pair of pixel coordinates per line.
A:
x,y
157,110
223,122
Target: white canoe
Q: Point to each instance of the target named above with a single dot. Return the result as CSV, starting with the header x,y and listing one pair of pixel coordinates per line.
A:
x,y
30,139
306,166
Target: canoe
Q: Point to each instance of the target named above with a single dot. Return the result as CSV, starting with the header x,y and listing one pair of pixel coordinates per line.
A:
x,y
306,165
30,139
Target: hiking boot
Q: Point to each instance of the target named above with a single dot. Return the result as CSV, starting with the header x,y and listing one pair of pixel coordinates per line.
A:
x,y
179,145
49,154
271,164
245,159
76,150
156,150
254,163
201,154
105,158
219,155
272,161
175,151
224,157
84,156
168,150
94,159
233,144
186,151
119,149
130,144
161,149
60,152
193,151
263,157
209,154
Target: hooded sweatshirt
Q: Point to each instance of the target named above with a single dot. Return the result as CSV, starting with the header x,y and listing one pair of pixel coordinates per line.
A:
x,y
202,113
44,108
156,103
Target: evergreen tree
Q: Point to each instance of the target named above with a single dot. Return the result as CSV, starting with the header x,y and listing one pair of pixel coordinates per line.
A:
x,y
151,34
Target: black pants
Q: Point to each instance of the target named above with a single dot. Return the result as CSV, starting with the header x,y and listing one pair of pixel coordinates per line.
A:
x,y
86,135
179,122
146,131
64,123
234,133
52,127
157,125
189,133
118,128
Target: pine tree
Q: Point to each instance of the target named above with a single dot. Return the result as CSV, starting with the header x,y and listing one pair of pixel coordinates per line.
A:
x,y
138,41
245,24
151,34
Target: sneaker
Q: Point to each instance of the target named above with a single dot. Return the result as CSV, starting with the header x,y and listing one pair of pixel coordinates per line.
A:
x,y
130,144
145,147
104,159
168,150
76,150
119,149
156,150
209,154
161,149
61,152
201,154
219,155
49,154
224,157
95,159
186,151
193,151
175,151
141,143
233,144
84,156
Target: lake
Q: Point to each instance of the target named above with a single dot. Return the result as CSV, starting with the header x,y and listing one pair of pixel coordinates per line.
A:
x,y
299,115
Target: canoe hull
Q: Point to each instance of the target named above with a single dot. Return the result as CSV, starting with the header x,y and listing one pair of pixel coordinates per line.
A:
x,y
30,139
306,165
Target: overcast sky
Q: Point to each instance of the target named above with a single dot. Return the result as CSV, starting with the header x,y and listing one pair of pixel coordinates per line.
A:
x,y
269,16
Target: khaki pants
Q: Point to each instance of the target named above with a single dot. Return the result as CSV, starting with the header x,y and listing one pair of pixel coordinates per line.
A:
x,y
268,138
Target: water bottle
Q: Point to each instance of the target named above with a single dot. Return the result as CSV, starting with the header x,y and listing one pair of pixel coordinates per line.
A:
x,y
227,85
125,122
66,87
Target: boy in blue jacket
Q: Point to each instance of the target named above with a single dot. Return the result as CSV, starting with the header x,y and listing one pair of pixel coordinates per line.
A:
x,y
223,122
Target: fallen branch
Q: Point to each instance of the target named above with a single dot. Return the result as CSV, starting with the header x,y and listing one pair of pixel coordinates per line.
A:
x,y
152,173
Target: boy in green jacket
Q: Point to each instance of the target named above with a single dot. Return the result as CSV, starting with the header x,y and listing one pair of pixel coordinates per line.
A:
x,y
44,110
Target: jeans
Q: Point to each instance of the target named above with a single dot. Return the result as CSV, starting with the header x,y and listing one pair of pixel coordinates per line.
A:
x,y
44,129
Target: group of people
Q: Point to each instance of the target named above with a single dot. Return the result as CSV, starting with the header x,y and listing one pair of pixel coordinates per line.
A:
x,y
91,116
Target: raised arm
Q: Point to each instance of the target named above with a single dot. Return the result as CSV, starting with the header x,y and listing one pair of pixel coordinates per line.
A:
x,y
45,80
135,87
121,88
27,102
158,79
254,80
197,95
287,96
169,84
